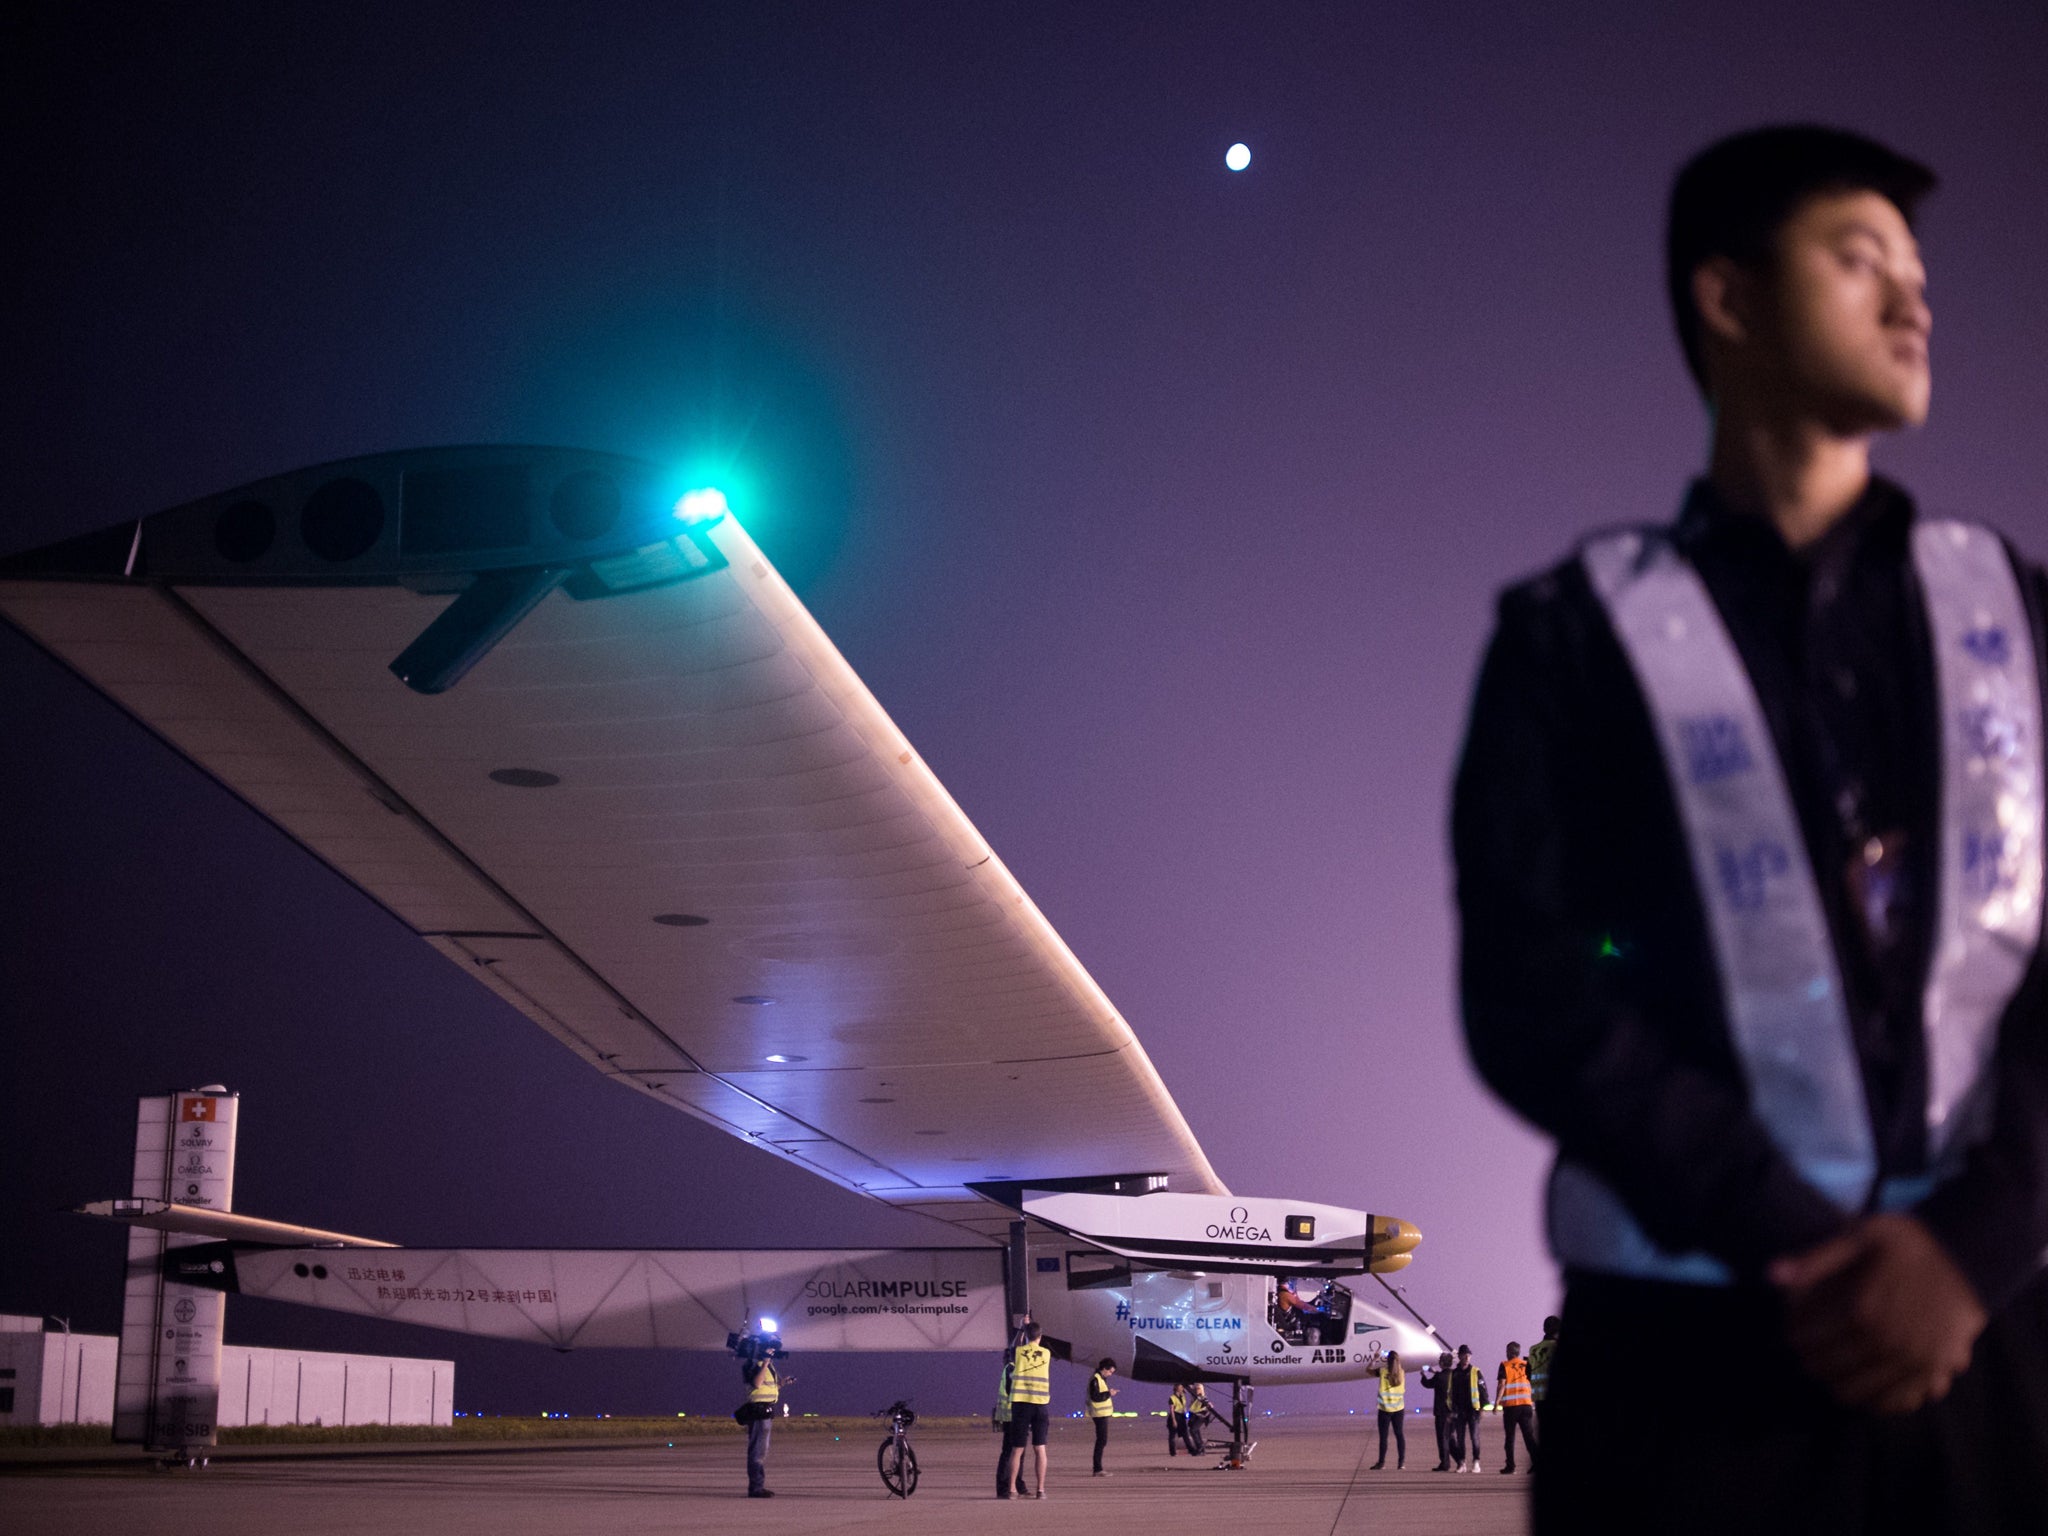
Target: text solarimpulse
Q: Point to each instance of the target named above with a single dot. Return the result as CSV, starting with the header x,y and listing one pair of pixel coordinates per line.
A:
x,y
883,1290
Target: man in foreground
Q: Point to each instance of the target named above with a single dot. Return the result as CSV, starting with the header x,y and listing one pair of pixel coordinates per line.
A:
x,y
1749,843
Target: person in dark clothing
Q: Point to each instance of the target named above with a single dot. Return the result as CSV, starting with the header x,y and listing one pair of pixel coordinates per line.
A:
x,y
1542,1354
1748,838
1438,1380
1006,1474
1468,1401
1101,1407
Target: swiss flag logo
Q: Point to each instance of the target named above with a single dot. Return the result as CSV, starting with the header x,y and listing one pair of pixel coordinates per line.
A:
x,y
196,1109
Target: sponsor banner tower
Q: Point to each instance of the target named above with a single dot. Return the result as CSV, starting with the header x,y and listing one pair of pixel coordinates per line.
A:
x,y
167,1374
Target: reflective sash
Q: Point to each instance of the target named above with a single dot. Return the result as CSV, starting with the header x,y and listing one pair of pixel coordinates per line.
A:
x,y
1393,1394
1107,1406
1770,936
1031,1382
1514,1387
766,1389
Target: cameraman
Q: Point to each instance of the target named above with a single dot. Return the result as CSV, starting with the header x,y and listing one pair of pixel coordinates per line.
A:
x,y
764,1401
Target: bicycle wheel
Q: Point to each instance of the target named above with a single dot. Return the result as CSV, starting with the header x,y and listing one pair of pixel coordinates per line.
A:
x,y
898,1466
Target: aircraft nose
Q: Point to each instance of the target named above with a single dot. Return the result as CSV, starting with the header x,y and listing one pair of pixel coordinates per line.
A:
x,y
1391,1235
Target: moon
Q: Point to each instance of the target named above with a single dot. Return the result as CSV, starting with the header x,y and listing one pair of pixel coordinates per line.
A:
x,y
1238,156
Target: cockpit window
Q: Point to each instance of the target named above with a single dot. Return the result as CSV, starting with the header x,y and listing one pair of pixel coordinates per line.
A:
x,y
1310,1312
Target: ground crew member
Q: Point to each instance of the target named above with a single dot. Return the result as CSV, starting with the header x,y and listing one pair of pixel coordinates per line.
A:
x,y
1749,834
1517,1405
1176,1418
1540,1356
1101,1407
1198,1414
1030,1411
764,1401
1393,1409
1468,1401
1002,1424
1438,1380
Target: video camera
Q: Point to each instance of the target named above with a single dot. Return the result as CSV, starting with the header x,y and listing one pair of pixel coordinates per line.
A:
x,y
762,1344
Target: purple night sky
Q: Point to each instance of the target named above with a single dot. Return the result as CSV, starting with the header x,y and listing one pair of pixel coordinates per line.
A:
x,y
1163,507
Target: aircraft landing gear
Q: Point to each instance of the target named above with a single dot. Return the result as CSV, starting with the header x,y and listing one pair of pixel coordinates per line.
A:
x,y
1237,1453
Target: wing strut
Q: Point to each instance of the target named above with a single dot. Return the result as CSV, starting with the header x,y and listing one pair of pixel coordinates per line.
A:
x,y
1017,1273
1428,1326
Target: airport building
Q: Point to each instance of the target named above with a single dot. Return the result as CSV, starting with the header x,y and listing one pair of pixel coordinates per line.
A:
x,y
57,1377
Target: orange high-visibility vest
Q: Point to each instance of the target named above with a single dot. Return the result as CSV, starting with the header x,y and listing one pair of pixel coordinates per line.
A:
x,y
1514,1387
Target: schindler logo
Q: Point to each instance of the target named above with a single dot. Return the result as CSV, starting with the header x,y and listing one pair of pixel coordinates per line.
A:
x,y
1240,1229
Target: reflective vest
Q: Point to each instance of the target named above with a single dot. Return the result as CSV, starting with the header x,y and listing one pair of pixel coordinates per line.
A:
x,y
1514,1386
1539,1366
765,1389
1176,1402
1393,1391
1102,1408
1780,977
1474,1384
1003,1395
1031,1382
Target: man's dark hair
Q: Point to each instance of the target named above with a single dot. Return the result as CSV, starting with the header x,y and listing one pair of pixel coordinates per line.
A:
x,y
1105,1364
1734,196
1033,1332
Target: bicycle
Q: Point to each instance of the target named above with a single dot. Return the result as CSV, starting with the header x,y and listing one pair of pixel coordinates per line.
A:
x,y
894,1459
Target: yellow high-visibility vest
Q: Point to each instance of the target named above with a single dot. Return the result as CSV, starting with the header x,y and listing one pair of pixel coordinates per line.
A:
x,y
1003,1395
766,1389
1031,1381
1177,1400
1104,1409
1539,1367
1514,1386
1393,1392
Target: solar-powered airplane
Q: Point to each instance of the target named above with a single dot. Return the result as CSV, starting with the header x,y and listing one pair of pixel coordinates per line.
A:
x,y
563,719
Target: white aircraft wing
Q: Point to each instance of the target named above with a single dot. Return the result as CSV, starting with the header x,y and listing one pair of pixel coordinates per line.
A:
x,y
662,817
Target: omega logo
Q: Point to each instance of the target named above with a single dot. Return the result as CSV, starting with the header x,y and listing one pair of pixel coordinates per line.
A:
x,y
1240,1228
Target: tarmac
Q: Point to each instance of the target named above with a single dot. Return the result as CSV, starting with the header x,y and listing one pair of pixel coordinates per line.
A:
x,y
1308,1477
